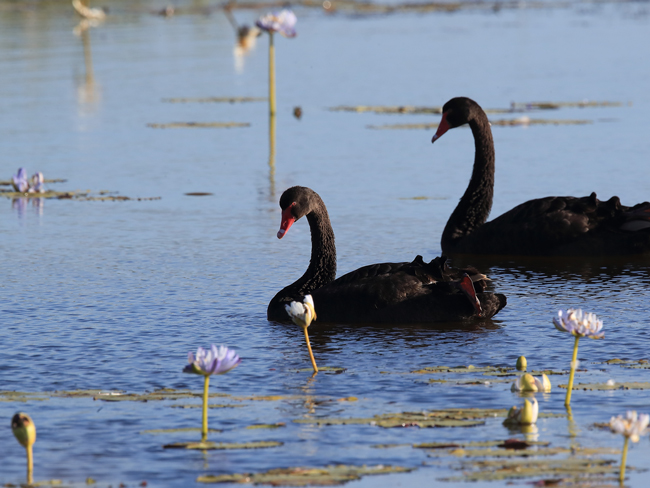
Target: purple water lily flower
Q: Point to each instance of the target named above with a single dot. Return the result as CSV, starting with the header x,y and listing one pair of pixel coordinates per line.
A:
x,y
20,182
283,22
213,361
579,324
38,183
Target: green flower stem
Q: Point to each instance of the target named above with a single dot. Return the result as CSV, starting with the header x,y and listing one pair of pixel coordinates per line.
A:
x,y
30,465
621,476
567,401
311,354
204,427
271,75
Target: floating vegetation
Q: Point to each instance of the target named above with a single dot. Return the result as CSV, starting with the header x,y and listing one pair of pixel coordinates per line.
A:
x,y
514,453
21,396
518,106
116,396
436,418
84,196
507,444
211,446
570,470
628,364
520,121
177,431
461,369
216,100
200,125
198,194
269,398
330,369
514,107
277,425
610,385
213,405
325,476
46,180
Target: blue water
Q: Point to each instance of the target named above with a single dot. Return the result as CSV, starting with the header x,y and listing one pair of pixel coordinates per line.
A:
x,y
112,295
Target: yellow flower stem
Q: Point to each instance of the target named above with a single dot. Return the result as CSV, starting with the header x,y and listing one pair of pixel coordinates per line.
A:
x,y
621,476
30,465
311,354
204,426
567,401
271,75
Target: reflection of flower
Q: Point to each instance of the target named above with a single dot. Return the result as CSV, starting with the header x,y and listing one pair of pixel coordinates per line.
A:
x,y
19,181
214,361
631,426
303,313
283,22
525,415
88,13
579,324
528,382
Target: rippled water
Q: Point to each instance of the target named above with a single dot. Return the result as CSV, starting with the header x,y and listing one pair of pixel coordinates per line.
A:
x,y
112,295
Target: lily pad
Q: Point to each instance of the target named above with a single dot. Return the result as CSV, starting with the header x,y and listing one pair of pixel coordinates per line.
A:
x,y
200,125
212,405
21,396
215,100
325,476
437,418
332,369
446,445
277,425
211,446
460,369
525,121
628,385
569,469
117,396
177,431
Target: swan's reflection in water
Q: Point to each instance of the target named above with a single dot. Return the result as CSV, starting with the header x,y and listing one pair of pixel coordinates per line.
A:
x,y
88,91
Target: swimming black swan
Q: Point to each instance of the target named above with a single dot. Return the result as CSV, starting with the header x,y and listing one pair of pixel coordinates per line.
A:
x,y
551,226
415,292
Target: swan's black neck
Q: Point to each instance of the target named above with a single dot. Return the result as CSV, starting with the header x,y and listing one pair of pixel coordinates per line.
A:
x,y
322,265
475,205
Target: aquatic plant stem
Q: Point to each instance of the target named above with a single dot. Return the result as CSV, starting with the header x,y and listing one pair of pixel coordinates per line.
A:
x,y
271,75
569,389
204,426
30,464
621,476
311,354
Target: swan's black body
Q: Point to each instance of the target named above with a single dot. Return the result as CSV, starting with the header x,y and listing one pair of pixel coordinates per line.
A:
x,y
415,292
551,226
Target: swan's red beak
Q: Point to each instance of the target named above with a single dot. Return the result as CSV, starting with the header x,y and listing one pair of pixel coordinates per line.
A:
x,y
467,287
287,221
442,128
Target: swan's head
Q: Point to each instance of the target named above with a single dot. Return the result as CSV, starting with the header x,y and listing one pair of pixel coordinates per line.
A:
x,y
456,112
296,202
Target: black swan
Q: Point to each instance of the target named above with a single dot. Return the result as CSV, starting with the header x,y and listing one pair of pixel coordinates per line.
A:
x,y
551,226
416,292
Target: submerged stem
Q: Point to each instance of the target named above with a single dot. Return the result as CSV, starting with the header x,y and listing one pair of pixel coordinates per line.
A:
x,y
567,401
311,354
204,426
621,476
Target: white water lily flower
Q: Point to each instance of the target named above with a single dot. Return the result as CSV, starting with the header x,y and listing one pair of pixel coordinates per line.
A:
x,y
213,361
38,183
631,426
283,22
579,324
302,313
525,415
528,382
